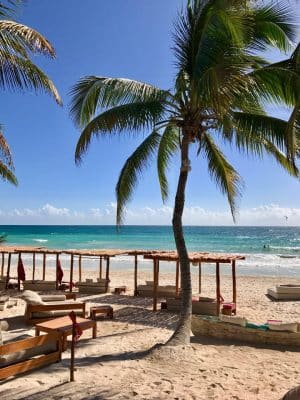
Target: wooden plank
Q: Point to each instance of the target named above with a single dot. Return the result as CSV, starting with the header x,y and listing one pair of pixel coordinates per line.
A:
x,y
2,264
33,266
28,365
57,259
28,343
107,274
218,290
44,266
71,272
233,283
79,269
100,268
8,270
200,278
135,274
177,278
155,285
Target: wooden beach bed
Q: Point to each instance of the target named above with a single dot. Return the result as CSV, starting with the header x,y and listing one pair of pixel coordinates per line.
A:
x,y
214,327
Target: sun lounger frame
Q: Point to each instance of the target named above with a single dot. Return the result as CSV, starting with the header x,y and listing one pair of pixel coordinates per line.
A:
x,y
32,308
31,363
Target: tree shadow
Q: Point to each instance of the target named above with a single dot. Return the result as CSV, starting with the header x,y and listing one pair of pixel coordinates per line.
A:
x,y
143,316
123,300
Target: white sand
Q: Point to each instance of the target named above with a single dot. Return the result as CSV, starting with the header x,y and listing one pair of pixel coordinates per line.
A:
x,y
115,365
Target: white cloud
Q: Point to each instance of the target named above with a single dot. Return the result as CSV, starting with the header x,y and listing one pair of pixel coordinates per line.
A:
x,y
271,214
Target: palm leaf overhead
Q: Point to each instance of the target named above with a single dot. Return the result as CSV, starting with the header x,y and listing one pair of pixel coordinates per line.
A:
x,y
220,94
18,43
134,167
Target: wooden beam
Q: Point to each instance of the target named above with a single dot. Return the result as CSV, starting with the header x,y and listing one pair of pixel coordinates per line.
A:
x,y
71,272
2,265
44,266
155,262
57,258
200,277
33,265
135,274
218,290
177,278
100,267
8,270
233,283
107,274
19,282
79,269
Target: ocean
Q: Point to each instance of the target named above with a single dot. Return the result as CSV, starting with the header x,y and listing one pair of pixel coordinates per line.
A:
x,y
272,251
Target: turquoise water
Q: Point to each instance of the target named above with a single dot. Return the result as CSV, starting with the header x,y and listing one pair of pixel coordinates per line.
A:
x,y
269,250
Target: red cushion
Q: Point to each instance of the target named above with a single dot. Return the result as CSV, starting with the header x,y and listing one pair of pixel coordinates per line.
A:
x,y
229,306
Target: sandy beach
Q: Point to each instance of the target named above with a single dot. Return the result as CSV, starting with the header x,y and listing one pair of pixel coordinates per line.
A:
x,y
116,365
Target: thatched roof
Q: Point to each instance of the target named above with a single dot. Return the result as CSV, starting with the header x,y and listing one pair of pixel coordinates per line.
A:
x,y
21,249
95,252
195,257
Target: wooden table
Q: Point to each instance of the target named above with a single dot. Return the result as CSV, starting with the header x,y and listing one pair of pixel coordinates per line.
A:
x,y
106,310
64,326
120,289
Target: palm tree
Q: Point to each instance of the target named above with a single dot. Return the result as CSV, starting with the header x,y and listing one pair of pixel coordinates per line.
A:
x,y
17,43
220,91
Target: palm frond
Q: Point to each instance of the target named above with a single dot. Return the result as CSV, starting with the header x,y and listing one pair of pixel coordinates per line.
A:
x,y
21,38
276,84
266,127
92,92
7,175
274,25
5,153
132,169
168,145
20,73
130,117
225,176
288,165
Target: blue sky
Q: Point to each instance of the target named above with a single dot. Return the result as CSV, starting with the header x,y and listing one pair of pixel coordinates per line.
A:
x,y
118,38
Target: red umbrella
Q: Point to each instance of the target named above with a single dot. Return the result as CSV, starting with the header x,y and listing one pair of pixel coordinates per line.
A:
x,y
59,272
21,271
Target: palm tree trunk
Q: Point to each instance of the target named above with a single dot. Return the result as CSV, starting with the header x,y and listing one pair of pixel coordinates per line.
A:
x,y
182,332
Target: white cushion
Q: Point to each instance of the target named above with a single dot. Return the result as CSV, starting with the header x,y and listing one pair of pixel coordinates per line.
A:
x,y
283,326
31,297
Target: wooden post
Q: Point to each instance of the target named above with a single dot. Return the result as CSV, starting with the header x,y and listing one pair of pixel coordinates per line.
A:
x,y
19,282
71,272
233,283
2,265
135,274
44,266
100,268
177,278
200,277
8,270
33,266
79,268
57,258
107,274
72,353
155,262
218,291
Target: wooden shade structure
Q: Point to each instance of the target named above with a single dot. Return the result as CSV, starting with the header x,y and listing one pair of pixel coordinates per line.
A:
x,y
105,254
196,258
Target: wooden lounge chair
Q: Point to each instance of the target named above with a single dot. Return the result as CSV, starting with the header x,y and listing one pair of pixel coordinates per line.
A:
x,y
101,286
43,312
24,355
162,291
38,310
